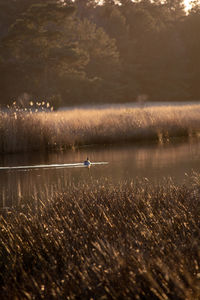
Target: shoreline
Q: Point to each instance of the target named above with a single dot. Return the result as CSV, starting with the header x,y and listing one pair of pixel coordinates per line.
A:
x,y
61,130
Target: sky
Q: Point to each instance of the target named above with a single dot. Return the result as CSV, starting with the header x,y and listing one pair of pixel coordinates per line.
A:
x,y
187,4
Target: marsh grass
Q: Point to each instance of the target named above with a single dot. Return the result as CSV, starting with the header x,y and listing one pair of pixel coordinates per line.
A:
x,y
101,241
27,131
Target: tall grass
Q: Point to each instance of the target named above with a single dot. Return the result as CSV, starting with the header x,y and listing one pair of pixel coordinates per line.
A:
x,y
101,241
27,131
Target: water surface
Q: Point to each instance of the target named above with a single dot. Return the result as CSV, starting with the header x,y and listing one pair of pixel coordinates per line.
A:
x,y
25,176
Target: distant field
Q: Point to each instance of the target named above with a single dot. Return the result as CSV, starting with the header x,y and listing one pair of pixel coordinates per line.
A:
x,y
28,131
101,241
136,104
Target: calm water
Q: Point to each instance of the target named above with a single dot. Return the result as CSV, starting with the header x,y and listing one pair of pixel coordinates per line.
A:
x,y
126,161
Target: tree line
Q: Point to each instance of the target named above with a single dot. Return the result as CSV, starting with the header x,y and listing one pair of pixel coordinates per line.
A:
x,y
79,52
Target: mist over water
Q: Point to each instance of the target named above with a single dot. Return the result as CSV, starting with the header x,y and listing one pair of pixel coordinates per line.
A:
x,y
124,162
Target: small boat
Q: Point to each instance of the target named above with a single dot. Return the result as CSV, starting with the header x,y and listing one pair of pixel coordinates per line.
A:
x,y
87,162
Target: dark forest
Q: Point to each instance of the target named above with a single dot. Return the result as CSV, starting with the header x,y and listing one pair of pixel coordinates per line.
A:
x,y
80,52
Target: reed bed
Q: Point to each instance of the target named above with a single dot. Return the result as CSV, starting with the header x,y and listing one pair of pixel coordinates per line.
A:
x,y
27,131
102,241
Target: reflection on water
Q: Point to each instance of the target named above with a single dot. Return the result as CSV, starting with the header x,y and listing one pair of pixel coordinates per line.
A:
x,y
53,166
125,162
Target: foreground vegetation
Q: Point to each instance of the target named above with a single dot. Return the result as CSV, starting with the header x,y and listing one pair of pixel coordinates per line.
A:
x,y
102,241
24,130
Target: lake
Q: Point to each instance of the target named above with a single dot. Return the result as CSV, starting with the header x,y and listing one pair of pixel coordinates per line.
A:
x,y
127,161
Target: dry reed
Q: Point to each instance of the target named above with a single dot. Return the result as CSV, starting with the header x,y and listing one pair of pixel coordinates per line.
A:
x,y
101,241
27,131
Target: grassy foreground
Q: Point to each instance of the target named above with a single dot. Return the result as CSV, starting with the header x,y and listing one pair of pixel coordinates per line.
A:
x,y
28,131
100,241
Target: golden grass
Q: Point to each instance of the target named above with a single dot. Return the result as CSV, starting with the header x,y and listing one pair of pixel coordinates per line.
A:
x,y
25,131
101,241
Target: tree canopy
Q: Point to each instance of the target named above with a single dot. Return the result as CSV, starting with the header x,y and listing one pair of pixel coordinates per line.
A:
x,y
80,52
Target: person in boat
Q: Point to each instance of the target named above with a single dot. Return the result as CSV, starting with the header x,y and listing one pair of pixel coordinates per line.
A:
x,y
87,162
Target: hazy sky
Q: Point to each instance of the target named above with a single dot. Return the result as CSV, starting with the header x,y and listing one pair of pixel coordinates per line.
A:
x,y
187,3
